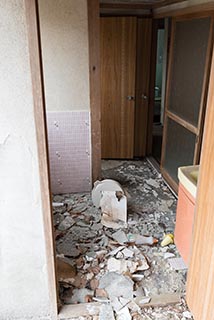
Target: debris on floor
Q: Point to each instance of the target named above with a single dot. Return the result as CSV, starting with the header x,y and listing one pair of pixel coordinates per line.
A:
x,y
124,266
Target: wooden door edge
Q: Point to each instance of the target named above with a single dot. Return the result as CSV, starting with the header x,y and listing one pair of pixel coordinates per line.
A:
x,y
94,79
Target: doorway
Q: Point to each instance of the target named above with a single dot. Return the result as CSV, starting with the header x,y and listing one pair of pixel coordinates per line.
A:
x,y
125,64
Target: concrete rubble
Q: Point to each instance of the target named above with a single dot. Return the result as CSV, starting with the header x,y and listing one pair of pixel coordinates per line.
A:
x,y
120,268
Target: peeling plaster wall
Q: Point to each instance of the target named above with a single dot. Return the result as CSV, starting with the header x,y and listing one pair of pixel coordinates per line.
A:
x,y
23,274
64,34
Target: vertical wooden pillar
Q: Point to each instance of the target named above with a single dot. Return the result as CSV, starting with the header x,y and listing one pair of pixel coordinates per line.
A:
x,y
200,283
94,74
32,20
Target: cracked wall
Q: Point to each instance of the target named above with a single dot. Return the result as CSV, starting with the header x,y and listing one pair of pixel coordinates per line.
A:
x,y
23,285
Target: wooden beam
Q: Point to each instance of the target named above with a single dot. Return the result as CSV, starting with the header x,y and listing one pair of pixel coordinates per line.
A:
x,y
125,6
94,74
200,282
183,8
34,43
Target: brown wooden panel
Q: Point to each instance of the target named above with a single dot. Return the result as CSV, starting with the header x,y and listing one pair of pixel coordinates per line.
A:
x,y
118,59
200,283
33,33
94,67
144,37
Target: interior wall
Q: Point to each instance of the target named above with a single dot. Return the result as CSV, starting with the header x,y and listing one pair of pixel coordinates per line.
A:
x,y
65,53
23,286
64,33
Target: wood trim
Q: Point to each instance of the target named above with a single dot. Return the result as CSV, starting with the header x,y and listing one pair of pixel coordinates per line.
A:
x,y
168,85
94,76
169,180
204,94
200,280
144,40
124,6
183,9
182,122
34,43
152,87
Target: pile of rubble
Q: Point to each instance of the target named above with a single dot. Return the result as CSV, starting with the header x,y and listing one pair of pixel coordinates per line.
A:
x,y
122,269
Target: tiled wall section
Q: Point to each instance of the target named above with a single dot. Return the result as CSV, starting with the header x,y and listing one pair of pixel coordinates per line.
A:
x,y
69,151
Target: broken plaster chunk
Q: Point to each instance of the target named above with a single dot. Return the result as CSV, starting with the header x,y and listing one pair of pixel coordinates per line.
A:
x,y
112,209
117,265
108,223
115,251
187,315
117,285
127,253
141,240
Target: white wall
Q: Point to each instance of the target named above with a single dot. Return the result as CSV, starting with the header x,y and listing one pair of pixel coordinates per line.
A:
x,y
23,274
64,34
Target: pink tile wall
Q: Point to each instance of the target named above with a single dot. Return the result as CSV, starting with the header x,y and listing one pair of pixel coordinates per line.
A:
x,y
69,151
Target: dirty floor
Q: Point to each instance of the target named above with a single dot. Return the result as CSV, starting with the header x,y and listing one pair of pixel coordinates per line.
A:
x,y
96,263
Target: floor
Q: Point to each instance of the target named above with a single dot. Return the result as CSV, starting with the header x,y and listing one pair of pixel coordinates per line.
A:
x,y
96,263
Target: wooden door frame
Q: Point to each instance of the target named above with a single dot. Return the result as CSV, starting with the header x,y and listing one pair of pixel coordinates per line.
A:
x,y
155,27
38,92
142,85
37,79
204,214
197,130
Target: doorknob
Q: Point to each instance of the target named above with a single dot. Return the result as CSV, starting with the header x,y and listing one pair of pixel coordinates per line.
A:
x,y
144,96
130,98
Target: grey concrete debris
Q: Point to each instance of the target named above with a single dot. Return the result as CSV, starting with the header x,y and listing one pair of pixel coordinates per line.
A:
x,y
117,285
66,223
92,248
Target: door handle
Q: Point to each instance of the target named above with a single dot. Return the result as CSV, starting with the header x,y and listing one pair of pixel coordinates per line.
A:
x,y
144,96
130,98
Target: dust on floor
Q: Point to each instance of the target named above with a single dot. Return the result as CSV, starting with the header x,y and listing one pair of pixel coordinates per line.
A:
x,y
104,265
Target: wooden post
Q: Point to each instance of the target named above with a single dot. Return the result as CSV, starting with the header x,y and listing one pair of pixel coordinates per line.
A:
x,y
200,283
33,33
94,74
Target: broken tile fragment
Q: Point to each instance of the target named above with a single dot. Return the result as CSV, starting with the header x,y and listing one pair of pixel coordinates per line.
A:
x,y
66,223
124,314
177,263
120,237
106,312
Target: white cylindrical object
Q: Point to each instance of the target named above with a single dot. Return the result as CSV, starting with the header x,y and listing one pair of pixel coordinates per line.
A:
x,y
104,185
